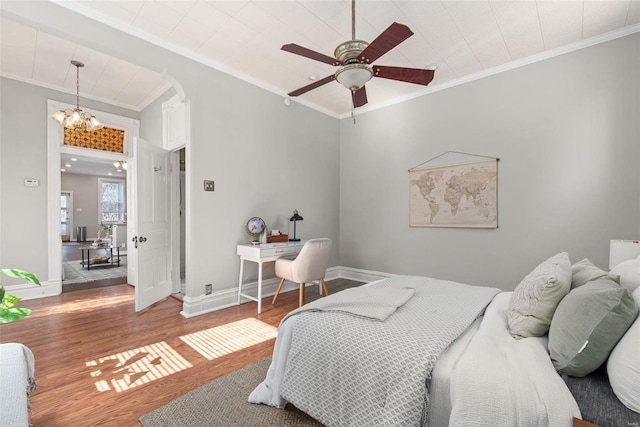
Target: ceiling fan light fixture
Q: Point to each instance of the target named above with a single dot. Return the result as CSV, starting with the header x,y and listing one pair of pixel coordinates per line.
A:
x,y
354,76
77,119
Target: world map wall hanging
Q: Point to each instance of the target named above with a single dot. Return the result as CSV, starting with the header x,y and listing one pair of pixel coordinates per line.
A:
x,y
460,194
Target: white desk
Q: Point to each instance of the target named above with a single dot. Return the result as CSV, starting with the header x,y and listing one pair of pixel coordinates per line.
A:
x,y
265,252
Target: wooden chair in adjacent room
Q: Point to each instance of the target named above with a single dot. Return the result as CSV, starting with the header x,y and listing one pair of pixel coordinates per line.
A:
x,y
310,265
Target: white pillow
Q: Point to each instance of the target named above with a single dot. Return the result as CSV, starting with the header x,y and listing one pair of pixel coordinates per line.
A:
x,y
623,366
629,272
536,298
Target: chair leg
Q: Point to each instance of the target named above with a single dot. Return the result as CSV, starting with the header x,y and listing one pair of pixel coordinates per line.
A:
x,y
277,291
301,298
324,287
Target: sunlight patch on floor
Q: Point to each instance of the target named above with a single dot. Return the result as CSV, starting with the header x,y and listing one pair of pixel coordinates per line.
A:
x,y
82,305
133,368
226,339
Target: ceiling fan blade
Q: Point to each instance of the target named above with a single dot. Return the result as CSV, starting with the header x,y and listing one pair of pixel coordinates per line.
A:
x,y
312,86
409,75
308,53
390,38
359,97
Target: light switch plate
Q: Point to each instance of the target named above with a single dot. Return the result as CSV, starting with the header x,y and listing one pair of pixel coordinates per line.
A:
x,y
208,185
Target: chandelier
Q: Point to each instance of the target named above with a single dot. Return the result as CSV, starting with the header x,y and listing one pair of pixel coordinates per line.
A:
x,y
120,165
77,119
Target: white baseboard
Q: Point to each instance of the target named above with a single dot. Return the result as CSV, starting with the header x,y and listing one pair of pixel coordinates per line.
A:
x,y
229,297
28,291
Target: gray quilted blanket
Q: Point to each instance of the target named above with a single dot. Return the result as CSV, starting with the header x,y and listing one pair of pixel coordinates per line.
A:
x,y
347,370
368,301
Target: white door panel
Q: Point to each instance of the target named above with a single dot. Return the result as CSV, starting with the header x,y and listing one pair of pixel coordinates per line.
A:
x,y
152,273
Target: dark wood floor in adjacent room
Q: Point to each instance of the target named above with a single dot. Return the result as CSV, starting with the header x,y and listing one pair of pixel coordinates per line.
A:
x,y
76,336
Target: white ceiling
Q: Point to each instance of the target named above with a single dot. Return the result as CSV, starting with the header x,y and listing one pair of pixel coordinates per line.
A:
x,y
90,165
464,39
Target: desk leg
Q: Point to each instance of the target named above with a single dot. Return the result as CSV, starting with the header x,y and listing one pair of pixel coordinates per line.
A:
x,y
260,287
88,259
240,280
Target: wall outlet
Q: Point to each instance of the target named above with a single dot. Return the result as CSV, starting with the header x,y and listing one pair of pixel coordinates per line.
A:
x,y
208,289
209,185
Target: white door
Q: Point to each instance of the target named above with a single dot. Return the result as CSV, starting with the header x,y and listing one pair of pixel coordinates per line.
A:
x,y
150,244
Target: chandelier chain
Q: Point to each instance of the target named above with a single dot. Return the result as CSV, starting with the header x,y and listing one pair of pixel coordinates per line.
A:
x,y
77,119
78,86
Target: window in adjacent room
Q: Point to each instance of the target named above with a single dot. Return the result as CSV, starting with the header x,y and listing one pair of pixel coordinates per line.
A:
x,y
111,202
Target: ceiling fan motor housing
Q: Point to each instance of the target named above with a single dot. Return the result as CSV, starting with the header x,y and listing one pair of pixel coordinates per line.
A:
x,y
348,52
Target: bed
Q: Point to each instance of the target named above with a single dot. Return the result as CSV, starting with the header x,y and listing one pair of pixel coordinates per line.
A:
x,y
421,351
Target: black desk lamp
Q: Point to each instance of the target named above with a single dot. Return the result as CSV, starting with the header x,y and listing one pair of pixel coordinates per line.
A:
x,y
295,218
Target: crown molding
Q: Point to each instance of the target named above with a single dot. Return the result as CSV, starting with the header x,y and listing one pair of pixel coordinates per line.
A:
x,y
582,44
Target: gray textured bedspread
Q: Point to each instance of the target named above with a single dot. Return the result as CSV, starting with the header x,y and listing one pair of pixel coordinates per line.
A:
x,y
347,370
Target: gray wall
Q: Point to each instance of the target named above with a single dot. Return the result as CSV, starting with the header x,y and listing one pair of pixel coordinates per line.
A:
x,y
85,196
266,160
566,131
23,154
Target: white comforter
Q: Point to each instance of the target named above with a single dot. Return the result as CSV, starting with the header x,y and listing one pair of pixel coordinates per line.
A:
x,y
488,378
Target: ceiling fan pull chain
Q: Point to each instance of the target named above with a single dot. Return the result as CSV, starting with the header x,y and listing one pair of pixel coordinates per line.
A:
x,y
353,109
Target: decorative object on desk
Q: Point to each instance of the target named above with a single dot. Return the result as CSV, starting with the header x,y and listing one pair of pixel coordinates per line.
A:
x,y
279,238
623,250
295,218
255,227
455,190
9,313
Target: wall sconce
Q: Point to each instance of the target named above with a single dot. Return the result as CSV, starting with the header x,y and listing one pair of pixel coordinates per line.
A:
x,y
295,218
623,250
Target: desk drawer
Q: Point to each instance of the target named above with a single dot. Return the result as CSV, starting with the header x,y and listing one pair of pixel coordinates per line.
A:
x,y
280,251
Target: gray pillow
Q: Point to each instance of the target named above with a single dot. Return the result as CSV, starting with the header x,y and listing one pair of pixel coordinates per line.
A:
x,y
534,300
584,271
587,324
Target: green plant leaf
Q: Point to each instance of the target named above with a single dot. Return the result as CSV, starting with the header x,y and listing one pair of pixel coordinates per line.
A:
x,y
20,274
13,314
9,301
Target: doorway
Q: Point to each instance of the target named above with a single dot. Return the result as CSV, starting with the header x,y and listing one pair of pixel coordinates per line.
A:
x,y
57,151
94,197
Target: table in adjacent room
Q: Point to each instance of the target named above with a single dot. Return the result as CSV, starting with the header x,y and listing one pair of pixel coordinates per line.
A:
x,y
114,258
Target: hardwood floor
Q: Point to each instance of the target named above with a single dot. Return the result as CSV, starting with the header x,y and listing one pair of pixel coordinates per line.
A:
x,y
98,363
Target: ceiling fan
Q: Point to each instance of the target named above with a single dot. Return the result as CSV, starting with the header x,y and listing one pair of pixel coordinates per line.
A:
x,y
354,58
